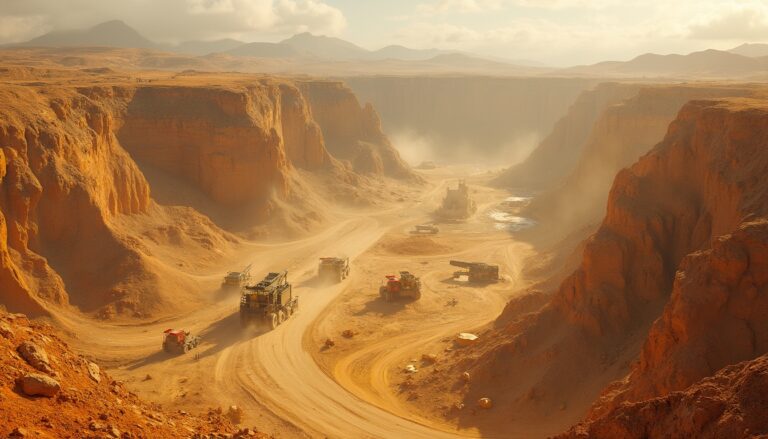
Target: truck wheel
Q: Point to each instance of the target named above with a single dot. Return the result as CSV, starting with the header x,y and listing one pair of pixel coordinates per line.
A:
x,y
388,296
280,317
272,320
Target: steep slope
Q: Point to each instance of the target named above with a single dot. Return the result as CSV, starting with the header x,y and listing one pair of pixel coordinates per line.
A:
x,y
618,137
544,370
353,133
558,153
467,119
67,178
75,398
79,161
714,318
731,404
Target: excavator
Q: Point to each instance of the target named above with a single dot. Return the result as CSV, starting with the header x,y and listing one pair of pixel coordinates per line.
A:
x,y
477,272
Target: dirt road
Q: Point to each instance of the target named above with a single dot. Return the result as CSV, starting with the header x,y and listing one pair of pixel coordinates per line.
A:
x,y
271,375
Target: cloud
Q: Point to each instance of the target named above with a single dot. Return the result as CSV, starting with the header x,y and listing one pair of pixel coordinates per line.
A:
x,y
458,6
176,20
739,24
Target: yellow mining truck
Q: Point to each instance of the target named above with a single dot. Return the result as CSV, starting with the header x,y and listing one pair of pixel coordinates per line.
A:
x,y
268,303
333,269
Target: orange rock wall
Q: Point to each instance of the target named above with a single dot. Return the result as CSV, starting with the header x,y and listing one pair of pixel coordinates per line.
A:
x,y
353,133
558,153
699,183
619,136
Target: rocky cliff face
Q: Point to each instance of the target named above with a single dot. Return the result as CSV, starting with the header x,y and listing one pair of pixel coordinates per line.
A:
x,y
557,155
236,144
714,318
731,404
65,177
698,184
77,223
468,119
353,133
618,137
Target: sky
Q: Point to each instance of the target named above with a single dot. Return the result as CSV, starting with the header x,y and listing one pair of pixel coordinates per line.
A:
x,y
551,32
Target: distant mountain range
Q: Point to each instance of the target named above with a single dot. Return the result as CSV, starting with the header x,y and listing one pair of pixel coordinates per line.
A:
x,y
305,45
313,53
707,63
111,33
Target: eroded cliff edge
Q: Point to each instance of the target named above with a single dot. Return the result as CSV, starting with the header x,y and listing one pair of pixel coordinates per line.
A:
x,y
83,157
651,266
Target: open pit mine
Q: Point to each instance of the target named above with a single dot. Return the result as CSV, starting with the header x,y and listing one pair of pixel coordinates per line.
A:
x,y
308,239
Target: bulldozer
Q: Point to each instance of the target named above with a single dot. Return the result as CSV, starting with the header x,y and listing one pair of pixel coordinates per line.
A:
x,y
238,278
269,302
333,269
405,285
178,341
477,272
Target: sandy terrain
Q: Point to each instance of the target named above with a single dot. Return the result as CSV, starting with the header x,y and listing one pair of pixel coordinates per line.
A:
x,y
389,336
273,375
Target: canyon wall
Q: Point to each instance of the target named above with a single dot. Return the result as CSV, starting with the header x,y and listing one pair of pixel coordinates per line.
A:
x,y
78,226
619,136
353,133
731,404
467,119
558,153
698,184
65,178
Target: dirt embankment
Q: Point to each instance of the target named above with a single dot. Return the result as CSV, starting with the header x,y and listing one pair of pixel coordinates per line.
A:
x,y
48,391
698,184
114,194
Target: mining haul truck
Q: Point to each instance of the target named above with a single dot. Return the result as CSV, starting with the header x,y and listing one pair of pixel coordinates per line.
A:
x,y
269,302
177,341
478,272
405,285
333,269
238,278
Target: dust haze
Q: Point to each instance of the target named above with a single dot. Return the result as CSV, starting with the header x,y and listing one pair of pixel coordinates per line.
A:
x,y
325,218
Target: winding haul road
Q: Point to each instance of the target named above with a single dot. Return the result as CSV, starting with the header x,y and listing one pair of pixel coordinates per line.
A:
x,y
271,375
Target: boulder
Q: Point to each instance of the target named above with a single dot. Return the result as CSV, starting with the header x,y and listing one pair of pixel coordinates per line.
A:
x,y
35,356
34,384
466,339
94,372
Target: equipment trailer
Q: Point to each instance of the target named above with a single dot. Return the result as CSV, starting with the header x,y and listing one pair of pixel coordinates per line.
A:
x,y
479,272
269,302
